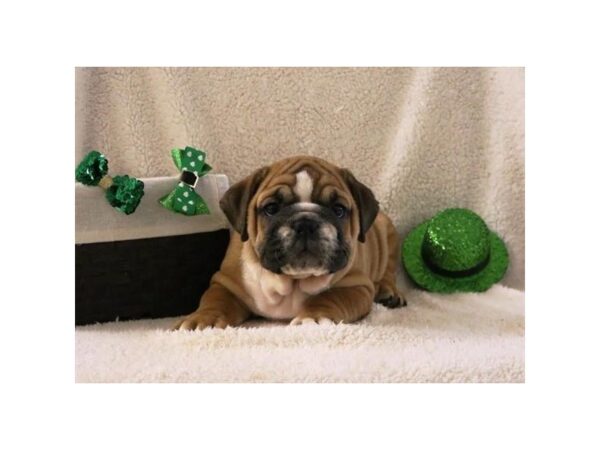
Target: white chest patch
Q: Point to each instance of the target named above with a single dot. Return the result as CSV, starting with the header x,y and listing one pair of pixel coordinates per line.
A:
x,y
278,296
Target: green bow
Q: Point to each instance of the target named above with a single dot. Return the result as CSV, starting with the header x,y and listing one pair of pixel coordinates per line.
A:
x,y
122,192
184,199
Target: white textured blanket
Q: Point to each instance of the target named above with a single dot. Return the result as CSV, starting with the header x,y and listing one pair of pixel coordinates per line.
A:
x,y
423,139
455,338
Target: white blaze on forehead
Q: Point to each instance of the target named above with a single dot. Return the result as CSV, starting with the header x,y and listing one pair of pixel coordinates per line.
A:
x,y
304,186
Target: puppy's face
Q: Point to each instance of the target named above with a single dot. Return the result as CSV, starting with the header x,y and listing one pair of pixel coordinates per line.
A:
x,y
303,216
302,232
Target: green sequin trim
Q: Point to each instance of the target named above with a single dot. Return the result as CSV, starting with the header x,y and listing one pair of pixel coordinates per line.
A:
x,y
92,169
125,193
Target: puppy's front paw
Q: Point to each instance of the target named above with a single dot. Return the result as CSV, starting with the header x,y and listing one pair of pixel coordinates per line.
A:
x,y
392,301
298,320
203,319
314,317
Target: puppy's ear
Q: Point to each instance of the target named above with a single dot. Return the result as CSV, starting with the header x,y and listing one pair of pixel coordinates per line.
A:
x,y
235,201
368,207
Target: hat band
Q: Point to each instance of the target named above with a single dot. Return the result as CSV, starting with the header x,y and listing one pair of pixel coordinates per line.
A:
x,y
456,273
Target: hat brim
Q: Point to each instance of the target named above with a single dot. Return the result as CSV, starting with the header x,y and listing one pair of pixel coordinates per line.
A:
x,y
423,276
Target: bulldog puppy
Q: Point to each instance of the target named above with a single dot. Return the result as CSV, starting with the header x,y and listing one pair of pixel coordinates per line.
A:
x,y
308,244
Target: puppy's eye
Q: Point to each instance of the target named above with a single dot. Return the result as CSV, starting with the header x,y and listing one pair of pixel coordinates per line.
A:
x,y
339,210
271,209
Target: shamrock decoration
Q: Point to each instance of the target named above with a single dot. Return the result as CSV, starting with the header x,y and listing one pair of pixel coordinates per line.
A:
x,y
122,192
183,198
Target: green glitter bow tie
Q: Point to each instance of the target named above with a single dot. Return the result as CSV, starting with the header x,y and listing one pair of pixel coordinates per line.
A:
x,y
184,199
122,192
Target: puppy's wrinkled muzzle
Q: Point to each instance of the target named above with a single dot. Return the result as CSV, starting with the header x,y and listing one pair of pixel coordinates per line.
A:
x,y
306,228
306,237
303,241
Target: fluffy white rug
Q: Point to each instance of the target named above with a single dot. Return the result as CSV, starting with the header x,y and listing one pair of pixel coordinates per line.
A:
x,y
453,338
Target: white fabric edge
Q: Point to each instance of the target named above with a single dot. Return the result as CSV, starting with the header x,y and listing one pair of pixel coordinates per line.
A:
x,y
97,221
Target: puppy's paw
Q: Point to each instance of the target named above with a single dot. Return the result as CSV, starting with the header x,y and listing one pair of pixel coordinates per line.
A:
x,y
392,301
311,321
314,317
200,320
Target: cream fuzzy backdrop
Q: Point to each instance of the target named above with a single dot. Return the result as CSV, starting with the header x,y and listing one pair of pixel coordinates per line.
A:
x,y
423,139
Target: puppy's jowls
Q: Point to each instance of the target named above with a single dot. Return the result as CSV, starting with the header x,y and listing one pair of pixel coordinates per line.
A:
x,y
308,244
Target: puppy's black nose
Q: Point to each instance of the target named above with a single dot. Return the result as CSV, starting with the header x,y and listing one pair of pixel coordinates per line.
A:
x,y
305,227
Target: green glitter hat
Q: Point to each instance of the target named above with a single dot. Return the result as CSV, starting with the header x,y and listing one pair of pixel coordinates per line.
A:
x,y
454,252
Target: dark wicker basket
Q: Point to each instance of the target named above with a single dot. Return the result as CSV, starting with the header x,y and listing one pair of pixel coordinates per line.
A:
x,y
156,277
153,263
